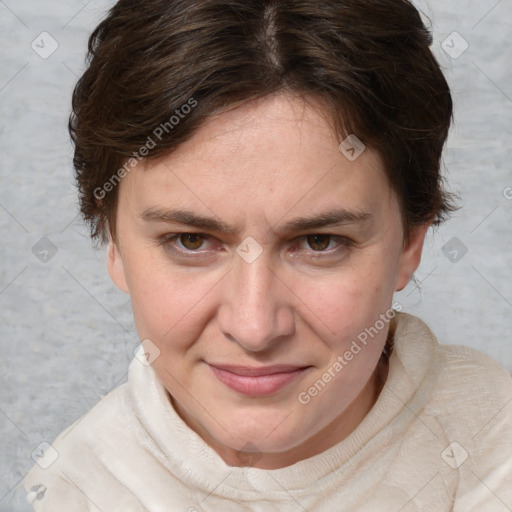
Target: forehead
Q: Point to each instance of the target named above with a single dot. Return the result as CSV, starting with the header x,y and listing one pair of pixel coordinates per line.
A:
x,y
260,130
265,158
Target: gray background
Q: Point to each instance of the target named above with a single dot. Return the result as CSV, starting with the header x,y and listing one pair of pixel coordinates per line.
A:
x,y
66,334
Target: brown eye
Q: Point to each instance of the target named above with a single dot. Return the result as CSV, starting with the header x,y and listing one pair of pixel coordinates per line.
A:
x,y
319,242
191,241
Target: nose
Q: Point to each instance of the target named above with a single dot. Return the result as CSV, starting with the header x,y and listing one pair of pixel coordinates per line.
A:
x,y
257,308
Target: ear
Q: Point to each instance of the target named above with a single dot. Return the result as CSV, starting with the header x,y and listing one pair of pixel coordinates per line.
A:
x,y
115,266
411,256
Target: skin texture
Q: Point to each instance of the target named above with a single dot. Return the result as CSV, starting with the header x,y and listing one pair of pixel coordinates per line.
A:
x,y
302,301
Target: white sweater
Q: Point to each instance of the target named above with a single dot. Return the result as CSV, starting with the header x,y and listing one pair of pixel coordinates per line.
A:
x,y
439,438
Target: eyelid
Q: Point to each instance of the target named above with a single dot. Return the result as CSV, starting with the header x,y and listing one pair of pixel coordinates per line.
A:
x,y
342,242
168,241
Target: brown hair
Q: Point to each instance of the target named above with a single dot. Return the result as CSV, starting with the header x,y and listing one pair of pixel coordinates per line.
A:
x,y
368,61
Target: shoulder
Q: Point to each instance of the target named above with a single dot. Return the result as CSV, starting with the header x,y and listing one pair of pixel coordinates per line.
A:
x,y
54,482
461,405
457,371
470,398
461,388
472,375
473,406
109,415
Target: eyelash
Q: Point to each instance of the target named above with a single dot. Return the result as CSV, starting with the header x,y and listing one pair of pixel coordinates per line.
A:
x,y
168,242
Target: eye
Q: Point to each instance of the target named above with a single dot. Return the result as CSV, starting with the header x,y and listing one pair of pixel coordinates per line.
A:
x,y
321,245
319,242
184,243
191,241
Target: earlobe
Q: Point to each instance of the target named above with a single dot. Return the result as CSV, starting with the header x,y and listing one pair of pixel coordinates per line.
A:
x,y
115,266
411,256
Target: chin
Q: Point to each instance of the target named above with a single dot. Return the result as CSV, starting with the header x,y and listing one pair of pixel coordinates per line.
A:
x,y
268,432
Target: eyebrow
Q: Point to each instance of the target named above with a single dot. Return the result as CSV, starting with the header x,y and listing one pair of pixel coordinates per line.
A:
x,y
329,218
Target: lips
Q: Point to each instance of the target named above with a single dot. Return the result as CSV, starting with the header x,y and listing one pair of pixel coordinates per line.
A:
x,y
257,381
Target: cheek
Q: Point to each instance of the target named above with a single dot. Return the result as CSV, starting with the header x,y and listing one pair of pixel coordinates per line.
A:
x,y
169,305
343,304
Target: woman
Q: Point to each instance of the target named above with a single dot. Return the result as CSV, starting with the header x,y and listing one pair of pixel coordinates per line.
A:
x,y
265,173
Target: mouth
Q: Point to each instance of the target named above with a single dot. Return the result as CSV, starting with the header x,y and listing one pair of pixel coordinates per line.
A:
x,y
257,381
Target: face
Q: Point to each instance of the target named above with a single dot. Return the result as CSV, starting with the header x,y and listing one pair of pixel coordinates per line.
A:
x,y
255,255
